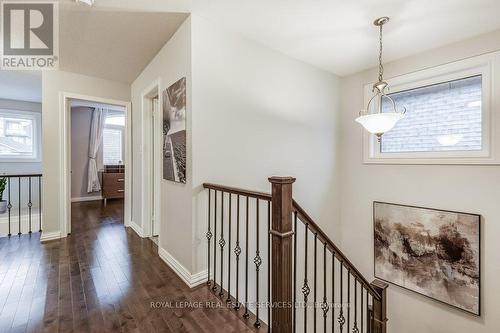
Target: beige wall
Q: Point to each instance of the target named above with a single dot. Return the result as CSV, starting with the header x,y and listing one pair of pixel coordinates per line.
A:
x,y
54,83
472,189
81,119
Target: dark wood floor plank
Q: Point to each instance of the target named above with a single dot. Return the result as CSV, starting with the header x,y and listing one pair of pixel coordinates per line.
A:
x,y
102,278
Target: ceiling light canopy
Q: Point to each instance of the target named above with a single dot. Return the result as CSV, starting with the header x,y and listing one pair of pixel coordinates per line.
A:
x,y
374,119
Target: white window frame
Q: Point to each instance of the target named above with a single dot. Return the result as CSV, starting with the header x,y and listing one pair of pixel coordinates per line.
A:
x,y
481,65
36,117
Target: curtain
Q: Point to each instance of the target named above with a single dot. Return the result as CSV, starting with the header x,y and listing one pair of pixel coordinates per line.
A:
x,y
96,129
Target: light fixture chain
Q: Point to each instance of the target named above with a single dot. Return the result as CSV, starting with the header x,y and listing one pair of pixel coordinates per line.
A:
x,y
375,120
380,66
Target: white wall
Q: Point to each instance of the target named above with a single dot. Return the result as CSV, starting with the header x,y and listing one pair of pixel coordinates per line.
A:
x,y
23,167
258,113
251,113
170,64
55,82
472,189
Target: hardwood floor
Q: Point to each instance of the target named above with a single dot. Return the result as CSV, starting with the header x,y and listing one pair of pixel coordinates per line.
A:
x,y
102,278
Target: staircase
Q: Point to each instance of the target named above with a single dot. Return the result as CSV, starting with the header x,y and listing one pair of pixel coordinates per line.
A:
x,y
269,261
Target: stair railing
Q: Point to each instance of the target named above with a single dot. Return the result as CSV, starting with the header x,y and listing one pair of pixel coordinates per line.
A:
x,y
274,246
21,211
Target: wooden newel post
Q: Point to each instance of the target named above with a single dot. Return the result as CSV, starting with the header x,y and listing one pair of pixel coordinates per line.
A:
x,y
281,255
379,311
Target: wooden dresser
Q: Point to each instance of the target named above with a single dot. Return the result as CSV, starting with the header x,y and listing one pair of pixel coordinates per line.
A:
x,y
113,182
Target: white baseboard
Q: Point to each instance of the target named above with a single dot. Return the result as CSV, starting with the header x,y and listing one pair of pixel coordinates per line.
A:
x,y
48,236
92,198
136,228
191,280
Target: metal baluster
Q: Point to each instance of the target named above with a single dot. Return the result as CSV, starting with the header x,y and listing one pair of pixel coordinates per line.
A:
x,y
355,328
246,314
370,323
19,203
228,299
209,237
333,291
214,287
341,318
324,305
237,252
294,271
9,206
222,242
315,279
305,288
29,203
362,308
257,261
40,203
269,266
348,299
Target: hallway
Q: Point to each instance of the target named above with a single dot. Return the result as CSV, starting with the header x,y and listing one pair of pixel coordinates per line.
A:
x,y
102,278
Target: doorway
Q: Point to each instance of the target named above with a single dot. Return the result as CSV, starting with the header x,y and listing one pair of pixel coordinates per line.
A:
x,y
96,153
155,227
151,162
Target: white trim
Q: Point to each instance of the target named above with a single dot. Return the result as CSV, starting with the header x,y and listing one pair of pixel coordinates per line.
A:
x,y
147,177
91,198
191,280
65,152
89,104
480,65
138,230
49,236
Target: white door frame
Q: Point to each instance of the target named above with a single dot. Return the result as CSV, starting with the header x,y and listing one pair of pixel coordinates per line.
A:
x,y
65,139
154,89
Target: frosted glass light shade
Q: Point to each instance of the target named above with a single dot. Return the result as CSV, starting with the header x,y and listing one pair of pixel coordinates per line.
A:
x,y
86,2
379,123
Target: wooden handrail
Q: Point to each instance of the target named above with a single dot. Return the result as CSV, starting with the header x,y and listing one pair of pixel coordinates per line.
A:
x,y
21,175
305,218
235,190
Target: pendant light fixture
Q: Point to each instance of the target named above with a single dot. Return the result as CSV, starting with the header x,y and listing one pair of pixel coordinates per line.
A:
x,y
373,119
86,2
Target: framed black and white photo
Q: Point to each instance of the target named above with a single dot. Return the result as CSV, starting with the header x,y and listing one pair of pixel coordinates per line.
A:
x,y
433,252
174,132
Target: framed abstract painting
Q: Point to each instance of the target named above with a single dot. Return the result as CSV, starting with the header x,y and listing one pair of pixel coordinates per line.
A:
x,y
433,252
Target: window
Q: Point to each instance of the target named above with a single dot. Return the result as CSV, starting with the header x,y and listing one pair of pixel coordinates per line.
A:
x,y
19,136
112,142
112,146
448,118
440,117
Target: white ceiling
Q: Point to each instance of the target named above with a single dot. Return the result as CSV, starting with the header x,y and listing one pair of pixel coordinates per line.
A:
x,y
21,85
111,44
336,35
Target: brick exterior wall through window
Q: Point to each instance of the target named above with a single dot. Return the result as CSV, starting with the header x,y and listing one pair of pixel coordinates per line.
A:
x,y
439,117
